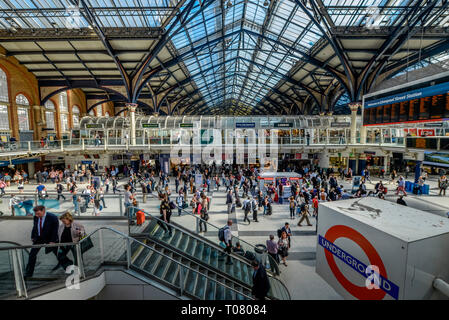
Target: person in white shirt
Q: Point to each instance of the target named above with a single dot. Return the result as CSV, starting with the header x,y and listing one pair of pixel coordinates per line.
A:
x,y
228,242
13,202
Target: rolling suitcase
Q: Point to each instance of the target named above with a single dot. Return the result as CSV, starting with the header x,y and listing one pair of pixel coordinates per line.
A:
x,y
83,208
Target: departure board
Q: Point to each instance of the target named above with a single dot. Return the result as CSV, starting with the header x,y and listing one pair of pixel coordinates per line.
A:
x,y
408,106
379,114
387,114
403,110
424,108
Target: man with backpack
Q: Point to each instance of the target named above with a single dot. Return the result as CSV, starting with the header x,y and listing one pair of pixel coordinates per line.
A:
x,y
225,236
246,208
253,206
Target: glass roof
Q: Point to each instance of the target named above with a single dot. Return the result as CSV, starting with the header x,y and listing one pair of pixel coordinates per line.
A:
x,y
241,66
249,48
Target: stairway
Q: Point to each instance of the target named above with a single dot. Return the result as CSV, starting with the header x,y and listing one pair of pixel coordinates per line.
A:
x,y
209,255
198,282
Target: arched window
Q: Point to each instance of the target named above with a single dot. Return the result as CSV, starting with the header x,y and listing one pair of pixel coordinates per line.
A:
x,y
50,114
4,100
76,116
3,87
100,110
63,111
23,109
107,114
92,113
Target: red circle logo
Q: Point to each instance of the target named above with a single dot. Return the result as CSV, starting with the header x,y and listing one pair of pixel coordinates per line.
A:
x,y
362,293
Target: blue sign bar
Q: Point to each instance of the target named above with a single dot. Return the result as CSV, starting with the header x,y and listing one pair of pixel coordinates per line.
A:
x,y
245,125
411,95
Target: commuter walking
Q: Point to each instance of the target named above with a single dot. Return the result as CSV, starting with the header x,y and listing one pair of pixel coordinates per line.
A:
x,y
272,248
292,206
283,247
45,231
225,236
261,284
443,184
229,201
69,231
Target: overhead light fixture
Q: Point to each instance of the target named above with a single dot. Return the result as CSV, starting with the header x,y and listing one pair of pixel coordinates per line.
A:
x,y
229,4
266,3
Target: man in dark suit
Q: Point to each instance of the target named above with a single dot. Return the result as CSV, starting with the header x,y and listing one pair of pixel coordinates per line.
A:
x,y
261,284
45,231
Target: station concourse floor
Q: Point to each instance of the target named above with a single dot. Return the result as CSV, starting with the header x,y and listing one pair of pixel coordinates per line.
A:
x,y
299,276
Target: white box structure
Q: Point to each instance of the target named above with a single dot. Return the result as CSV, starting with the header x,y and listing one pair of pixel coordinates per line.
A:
x,y
368,241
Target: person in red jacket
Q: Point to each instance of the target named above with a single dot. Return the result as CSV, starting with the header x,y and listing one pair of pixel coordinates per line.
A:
x,y
315,206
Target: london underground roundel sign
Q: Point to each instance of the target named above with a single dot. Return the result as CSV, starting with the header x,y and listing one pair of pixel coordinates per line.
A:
x,y
331,250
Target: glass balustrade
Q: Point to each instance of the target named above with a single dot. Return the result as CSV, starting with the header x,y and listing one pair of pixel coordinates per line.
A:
x,y
106,246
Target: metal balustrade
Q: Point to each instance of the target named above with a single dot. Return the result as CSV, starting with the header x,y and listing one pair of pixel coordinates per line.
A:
x,y
57,146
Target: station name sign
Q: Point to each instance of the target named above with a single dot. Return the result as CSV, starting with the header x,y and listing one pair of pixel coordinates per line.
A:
x,y
283,125
245,125
340,124
94,126
150,125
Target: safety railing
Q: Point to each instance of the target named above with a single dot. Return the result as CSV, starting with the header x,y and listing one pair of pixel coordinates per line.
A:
x,y
102,247
106,143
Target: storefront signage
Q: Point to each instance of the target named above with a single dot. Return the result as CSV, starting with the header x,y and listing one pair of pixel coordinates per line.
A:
x,y
340,124
283,125
186,125
245,125
150,125
94,126
433,125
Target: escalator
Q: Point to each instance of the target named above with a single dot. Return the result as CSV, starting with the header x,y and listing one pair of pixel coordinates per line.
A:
x,y
206,254
177,271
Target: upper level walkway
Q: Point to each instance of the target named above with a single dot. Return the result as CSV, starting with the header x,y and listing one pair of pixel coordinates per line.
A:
x,y
164,145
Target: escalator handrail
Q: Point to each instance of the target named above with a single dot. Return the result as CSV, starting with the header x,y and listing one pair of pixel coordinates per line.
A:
x,y
272,261
128,238
240,258
13,243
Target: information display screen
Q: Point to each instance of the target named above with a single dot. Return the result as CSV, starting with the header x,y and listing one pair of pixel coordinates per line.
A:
x,y
428,103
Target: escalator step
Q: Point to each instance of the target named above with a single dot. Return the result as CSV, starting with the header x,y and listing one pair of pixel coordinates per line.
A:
x,y
159,233
171,272
198,250
190,281
191,246
161,267
210,290
239,296
200,285
206,254
182,245
141,258
175,239
229,294
219,292
149,265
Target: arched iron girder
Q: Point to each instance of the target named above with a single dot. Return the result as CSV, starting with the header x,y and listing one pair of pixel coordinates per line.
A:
x,y
306,58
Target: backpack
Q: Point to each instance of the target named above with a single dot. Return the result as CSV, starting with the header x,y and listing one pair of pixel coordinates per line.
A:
x,y
221,235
